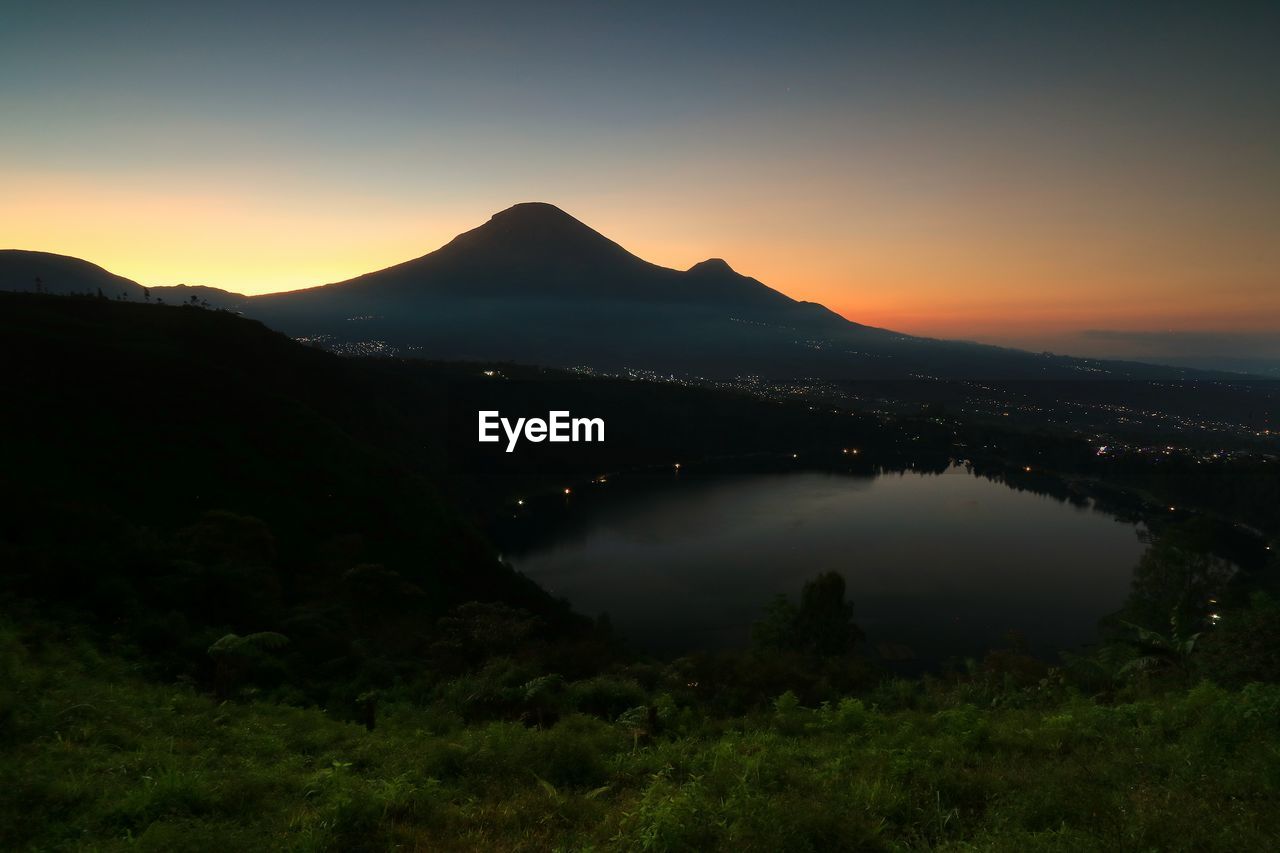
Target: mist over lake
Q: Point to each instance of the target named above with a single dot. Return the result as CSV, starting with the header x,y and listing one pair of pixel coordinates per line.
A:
x,y
943,564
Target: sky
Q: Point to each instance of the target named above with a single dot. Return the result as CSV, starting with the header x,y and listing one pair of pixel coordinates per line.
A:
x,y
1094,178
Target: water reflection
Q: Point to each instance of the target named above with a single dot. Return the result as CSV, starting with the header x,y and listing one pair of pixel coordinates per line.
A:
x,y
943,564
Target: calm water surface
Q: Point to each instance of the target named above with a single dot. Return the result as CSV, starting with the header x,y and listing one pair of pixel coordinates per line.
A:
x,y
943,564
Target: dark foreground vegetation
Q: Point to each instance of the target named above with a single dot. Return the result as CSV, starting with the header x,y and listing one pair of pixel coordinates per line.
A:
x,y
97,757
250,604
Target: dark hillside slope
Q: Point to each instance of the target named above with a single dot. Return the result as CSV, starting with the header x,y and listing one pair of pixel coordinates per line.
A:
x,y
23,271
183,472
45,272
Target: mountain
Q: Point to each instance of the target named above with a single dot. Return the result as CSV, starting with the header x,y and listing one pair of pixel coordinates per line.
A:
x,y
46,272
535,285
537,251
26,272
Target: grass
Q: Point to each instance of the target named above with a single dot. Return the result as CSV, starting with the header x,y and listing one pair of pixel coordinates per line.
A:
x,y
97,758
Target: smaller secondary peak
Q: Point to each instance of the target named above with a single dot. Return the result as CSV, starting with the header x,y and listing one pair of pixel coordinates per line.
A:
x,y
715,265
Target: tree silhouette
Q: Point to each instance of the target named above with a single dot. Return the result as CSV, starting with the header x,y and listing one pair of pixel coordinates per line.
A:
x,y
822,624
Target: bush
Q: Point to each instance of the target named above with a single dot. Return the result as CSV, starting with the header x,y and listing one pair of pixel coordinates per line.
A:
x,y
606,696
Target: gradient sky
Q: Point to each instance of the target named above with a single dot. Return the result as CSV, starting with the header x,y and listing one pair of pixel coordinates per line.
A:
x,y
1019,173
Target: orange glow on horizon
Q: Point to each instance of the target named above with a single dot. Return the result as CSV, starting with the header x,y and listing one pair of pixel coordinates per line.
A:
x,y
967,284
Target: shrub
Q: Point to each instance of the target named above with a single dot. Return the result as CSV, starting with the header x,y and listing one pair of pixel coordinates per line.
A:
x,y
606,696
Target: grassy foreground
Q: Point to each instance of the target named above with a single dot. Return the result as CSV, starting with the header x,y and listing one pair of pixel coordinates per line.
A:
x,y
97,758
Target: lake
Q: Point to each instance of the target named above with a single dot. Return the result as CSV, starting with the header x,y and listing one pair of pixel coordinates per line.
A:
x,y
941,564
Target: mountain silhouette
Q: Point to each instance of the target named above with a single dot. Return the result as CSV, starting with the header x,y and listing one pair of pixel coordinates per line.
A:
x,y
536,250
27,271
537,286
63,275
529,248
